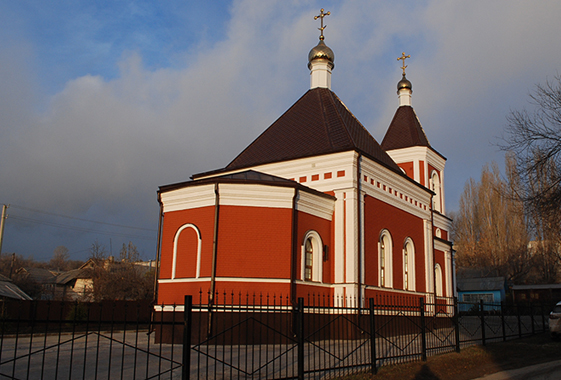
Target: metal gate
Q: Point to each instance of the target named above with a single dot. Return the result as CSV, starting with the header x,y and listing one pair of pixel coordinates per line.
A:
x,y
62,340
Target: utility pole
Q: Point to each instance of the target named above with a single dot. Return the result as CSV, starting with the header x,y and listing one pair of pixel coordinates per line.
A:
x,y
2,223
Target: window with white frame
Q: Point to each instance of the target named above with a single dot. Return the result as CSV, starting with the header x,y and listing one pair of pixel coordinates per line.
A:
x,y
438,280
308,259
386,259
435,186
408,265
312,253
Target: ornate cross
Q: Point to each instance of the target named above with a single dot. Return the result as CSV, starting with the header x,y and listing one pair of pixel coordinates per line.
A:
x,y
321,16
403,58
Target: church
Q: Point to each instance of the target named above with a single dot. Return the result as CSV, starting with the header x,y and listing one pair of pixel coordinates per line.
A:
x,y
314,205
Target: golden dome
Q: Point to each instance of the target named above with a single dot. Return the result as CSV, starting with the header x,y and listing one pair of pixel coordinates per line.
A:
x,y
404,83
321,51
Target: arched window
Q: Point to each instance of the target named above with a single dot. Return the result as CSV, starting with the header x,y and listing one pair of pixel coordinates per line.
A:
x,y
308,259
408,265
386,259
312,253
198,250
435,186
438,280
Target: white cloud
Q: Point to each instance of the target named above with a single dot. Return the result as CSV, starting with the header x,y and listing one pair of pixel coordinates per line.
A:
x,y
107,143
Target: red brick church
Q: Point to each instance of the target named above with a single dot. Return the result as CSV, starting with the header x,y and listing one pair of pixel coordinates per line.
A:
x,y
314,205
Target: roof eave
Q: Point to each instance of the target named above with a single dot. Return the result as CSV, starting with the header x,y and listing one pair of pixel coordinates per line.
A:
x,y
212,180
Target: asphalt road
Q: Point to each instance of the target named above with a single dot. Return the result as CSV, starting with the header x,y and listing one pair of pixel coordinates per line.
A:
x,y
544,371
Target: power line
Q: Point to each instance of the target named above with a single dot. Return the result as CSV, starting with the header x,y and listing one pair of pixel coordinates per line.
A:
x,y
82,229
80,219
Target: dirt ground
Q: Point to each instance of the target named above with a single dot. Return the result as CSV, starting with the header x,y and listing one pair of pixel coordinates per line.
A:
x,y
475,361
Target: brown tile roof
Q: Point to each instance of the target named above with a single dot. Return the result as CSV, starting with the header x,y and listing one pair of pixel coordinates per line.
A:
x,y
405,131
317,124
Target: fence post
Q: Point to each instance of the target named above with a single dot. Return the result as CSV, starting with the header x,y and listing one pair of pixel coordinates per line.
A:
x,y
423,330
187,324
300,337
503,320
482,315
372,336
457,324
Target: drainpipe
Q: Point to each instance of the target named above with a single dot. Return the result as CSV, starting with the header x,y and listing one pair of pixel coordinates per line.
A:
x,y
433,252
214,250
294,258
453,259
359,229
158,248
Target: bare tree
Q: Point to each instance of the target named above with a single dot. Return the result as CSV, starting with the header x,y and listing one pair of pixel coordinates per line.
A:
x,y
97,252
545,221
535,138
124,279
490,228
129,253
60,258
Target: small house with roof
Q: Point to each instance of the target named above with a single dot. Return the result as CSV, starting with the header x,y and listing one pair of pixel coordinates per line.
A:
x,y
314,205
490,290
9,290
43,278
75,284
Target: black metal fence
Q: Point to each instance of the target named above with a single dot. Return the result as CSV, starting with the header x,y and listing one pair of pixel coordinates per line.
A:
x,y
258,336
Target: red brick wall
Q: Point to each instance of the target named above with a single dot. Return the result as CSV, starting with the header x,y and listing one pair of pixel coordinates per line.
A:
x,y
307,222
231,292
254,242
408,167
440,259
203,218
443,233
378,216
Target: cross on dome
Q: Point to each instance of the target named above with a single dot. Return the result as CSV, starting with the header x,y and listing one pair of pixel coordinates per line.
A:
x,y
321,16
403,58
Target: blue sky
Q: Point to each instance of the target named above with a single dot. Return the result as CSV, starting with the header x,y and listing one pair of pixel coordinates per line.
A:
x,y
102,102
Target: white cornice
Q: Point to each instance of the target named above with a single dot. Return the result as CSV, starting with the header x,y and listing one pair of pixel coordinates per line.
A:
x,y
416,153
188,198
441,246
442,222
247,195
251,195
315,205
407,193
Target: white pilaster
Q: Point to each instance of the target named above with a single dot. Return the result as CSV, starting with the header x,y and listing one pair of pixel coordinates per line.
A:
x,y
350,232
429,262
339,251
448,275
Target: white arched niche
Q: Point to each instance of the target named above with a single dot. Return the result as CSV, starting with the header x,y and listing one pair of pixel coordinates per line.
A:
x,y
176,240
